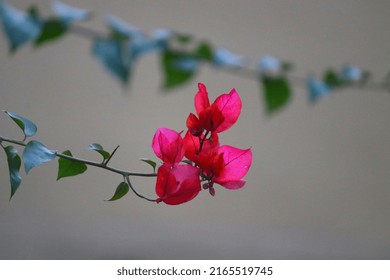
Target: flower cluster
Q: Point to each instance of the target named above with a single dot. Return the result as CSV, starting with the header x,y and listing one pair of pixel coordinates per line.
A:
x,y
208,162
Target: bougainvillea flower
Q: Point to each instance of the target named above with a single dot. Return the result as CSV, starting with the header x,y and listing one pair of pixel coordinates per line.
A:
x,y
227,166
237,163
178,184
167,144
216,117
210,163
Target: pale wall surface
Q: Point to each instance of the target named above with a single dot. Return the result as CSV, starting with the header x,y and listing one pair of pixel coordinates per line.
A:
x,y
319,186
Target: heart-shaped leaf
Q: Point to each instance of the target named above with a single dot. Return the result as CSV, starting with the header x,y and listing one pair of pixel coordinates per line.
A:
x,y
121,190
67,167
178,68
276,93
19,27
28,127
332,79
52,29
204,51
35,153
14,163
115,57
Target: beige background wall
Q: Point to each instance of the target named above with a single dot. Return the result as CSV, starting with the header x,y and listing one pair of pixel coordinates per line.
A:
x,y
319,186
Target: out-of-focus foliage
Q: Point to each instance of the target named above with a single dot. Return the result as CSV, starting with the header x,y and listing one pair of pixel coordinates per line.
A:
x,y
182,55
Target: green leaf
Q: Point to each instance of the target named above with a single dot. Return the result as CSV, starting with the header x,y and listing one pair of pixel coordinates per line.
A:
x,y
174,76
35,153
121,190
150,162
14,163
28,127
204,51
276,93
332,79
98,148
183,38
52,29
67,167
115,57
19,27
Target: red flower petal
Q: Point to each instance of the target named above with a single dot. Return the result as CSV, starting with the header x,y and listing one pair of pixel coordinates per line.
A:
x,y
178,184
211,118
166,183
230,107
233,185
194,125
237,164
167,144
201,99
212,164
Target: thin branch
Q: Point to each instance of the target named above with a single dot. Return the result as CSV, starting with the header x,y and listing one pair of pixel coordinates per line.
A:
x,y
251,73
124,173
88,162
87,32
109,158
13,141
135,192
103,166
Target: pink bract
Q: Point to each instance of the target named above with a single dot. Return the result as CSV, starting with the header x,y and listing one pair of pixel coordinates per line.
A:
x,y
167,144
237,162
178,184
226,166
217,117
230,105
201,99
209,162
